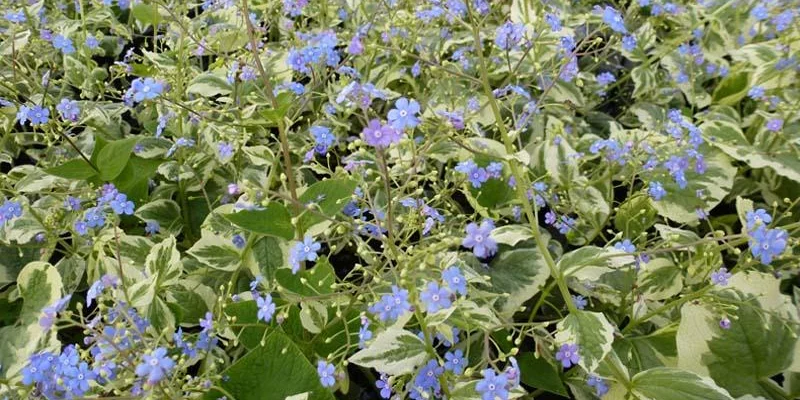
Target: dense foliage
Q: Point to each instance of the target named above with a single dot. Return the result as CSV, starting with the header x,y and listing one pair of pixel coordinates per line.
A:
x,y
461,199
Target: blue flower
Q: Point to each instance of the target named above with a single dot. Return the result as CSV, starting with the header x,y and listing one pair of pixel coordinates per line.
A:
x,y
783,20
605,78
207,323
455,361
95,217
379,135
326,373
152,227
767,244
69,110
266,308
599,385
756,92
16,17
493,385
92,42
303,251
579,301
612,17
553,21
476,175
391,306
37,115
155,366
384,386
364,334
428,376
757,217
225,150
625,246
64,44
455,280
121,205
404,115
145,89
656,191
508,35
568,355
323,138
774,125
181,142
720,277
478,239
435,298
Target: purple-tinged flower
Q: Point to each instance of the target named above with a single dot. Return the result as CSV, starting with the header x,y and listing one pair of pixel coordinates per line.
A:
x,y
121,205
95,217
224,150
380,136
579,302
303,251
756,92
50,312
656,191
508,35
479,240
15,17
435,298
599,385
355,47
553,21
629,43
775,125
476,175
266,308
364,334
404,114
69,110
720,277
155,366
323,138
568,355
326,372
725,323
37,115
392,306
145,89
493,385
91,42
207,323
605,78
760,12
612,17
767,244
455,280
152,227
383,385
757,217
455,361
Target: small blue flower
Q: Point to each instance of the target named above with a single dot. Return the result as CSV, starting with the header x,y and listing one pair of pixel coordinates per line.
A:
x,y
767,244
612,17
625,246
92,42
553,21
145,89
326,373
15,17
225,150
599,385
435,298
656,191
508,35
428,376
121,205
303,251
579,301
404,115
152,227
455,280
757,217
479,240
155,366
266,308
605,78
95,217
774,125
720,277
238,241
391,306
568,355
364,334
455,361
493,385
69,110
383,385
64,44
756,92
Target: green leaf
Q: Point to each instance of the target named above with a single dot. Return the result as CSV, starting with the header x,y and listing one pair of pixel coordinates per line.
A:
x,y
757,346
265,256
512,234
539,373
660,280
148,13
635,216
273,220
728,137
593,334
13,259
644,80
641,353
310,282
274,115
114,156
250,331
327,197
272,372
675,384
208,85
134,177
216,252
164,261
732,89
680,205
520,273
394,351
190,300
166,213
313,316
466,314
71,270
77,169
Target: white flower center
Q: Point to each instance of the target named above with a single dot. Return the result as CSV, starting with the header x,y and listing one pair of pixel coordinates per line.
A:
x,y
403,113
435,297
479,238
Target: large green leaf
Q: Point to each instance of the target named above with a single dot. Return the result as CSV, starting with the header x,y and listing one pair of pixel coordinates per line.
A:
x,y
520,273
164,261
216,252
641,353
166,212
540,374
209,85
272,220
394,351
114,156
77,169
593,334
265,256
675,384
635,216
732,89
12,260
273,371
